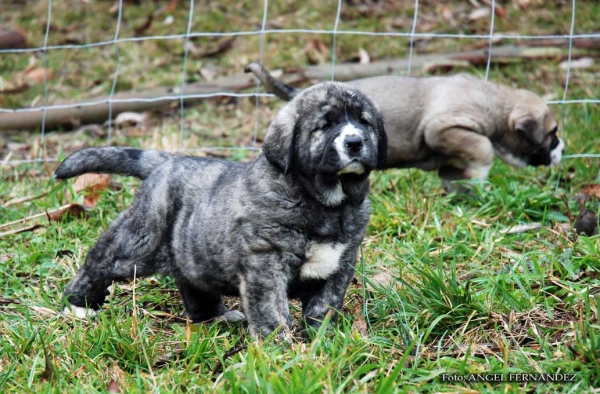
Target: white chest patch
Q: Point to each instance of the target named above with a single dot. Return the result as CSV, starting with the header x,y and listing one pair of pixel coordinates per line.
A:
x,y
335,196
321,261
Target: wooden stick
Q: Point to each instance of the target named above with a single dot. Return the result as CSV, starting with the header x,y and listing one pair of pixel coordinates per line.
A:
x,y
21,200
75,113
37,215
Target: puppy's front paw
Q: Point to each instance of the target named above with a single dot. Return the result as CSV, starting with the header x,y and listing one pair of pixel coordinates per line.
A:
x,y
78,311
232,316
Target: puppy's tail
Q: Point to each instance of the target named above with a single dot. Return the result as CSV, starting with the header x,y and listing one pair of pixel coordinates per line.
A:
x,y
278,88
111,160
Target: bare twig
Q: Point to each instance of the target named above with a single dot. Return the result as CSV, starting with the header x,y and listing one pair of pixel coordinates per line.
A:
x,y
569,214
20,200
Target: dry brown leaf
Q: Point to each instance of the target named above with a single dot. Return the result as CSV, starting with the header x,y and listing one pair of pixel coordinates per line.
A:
x,y
5,257
113,386
38,75
592,190
523,5
91,185
316,51
583,63
479,13
498,9
67,210
172,5
447,14
382,278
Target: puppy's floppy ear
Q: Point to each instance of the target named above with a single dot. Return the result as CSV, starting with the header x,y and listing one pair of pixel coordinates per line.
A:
x,y
527,127
280,142
381,140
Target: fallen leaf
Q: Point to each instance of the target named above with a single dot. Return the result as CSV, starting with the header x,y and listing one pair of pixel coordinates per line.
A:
x,y
479,13
584,62
316,51
6,257
18,146
113,386
521,228
447,14
382,279
498,9
91,185
592,190
67,210
523,5
172,5
38,75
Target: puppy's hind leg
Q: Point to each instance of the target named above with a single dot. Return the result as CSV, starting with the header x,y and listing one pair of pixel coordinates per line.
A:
x,y
125,249
201,306
472,150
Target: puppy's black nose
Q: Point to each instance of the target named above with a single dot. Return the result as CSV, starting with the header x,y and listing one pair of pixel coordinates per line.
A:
x,y
354,143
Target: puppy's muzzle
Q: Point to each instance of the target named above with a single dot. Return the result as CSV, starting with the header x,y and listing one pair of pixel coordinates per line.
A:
x,y
549,157
354,150
354,145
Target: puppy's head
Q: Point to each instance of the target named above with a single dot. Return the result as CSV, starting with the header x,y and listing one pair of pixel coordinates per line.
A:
x,y
532,134
330,132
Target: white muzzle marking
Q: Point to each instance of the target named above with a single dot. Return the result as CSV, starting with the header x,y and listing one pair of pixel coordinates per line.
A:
x,y
556,153
350,166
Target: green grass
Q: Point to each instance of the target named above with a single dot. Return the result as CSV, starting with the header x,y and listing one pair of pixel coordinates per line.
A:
x,y
439,288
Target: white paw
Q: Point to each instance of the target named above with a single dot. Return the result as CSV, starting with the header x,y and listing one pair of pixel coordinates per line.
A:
x,y
78,311
232,316
110,290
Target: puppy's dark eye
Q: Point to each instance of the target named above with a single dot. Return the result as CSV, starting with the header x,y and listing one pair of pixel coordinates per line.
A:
x,y
364,122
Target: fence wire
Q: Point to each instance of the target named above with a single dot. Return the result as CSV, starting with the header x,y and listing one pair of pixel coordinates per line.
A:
x,y
263,32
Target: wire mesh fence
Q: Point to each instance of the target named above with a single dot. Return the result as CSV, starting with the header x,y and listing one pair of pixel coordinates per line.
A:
x,y
117,48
